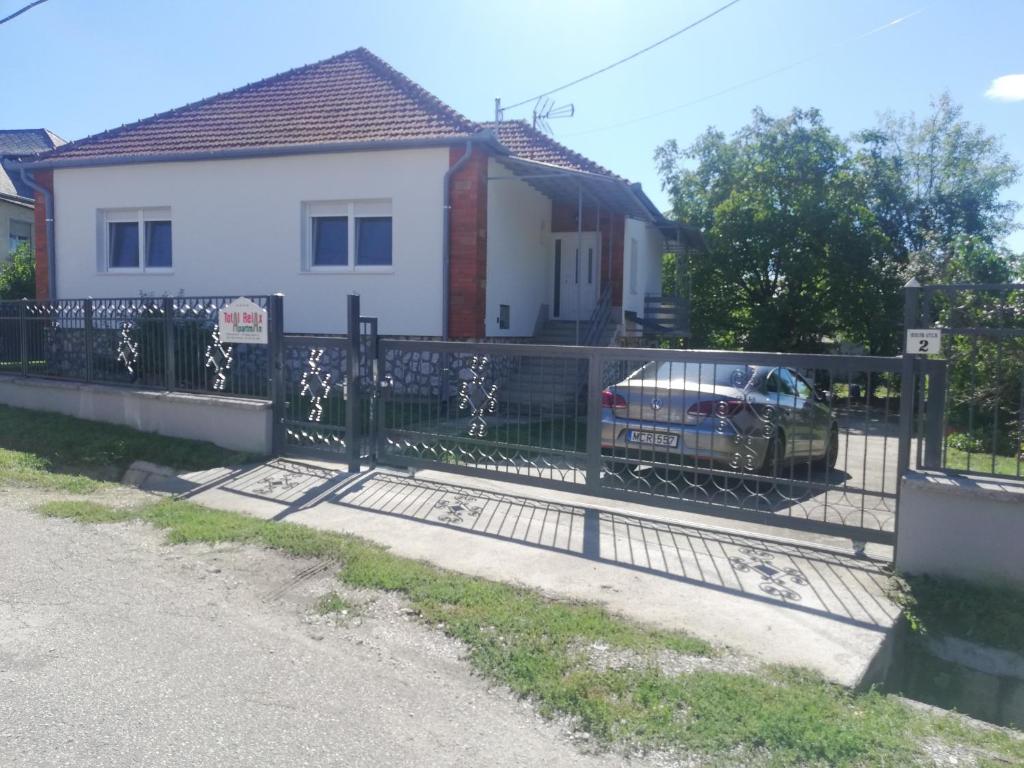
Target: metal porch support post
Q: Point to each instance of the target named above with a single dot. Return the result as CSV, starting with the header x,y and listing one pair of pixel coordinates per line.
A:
x,y
352,411
593,401
935,414
579,252
23,335
170,361
87,314
275,338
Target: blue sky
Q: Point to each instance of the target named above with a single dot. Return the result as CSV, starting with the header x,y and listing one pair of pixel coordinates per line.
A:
x,y
82,66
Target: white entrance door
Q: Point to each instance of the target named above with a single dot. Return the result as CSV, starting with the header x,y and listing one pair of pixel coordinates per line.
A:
x,y
577,265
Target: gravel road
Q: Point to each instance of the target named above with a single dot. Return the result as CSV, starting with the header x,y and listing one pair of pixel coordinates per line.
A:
x,y
117,650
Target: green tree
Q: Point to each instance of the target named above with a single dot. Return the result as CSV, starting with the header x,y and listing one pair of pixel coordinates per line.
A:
x,y
810,237
934,182
18,276
792,247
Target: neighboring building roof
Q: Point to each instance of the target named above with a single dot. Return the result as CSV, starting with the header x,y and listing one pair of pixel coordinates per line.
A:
x,y
353,97
525,141
24,141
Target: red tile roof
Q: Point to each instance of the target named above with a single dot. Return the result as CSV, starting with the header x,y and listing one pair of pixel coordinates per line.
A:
x,y
352,97
525,141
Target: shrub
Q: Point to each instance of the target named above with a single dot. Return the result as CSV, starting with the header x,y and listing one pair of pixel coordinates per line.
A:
x,y
18,276
961,441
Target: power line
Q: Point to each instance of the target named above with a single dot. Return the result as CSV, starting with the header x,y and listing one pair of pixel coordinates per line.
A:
x,y
751,81
20,11
627,58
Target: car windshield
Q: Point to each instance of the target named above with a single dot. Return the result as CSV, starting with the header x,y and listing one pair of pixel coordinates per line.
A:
x,y
710,374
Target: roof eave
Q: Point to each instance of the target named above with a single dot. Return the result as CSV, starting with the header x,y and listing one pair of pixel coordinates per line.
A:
x,y
281,150
28,202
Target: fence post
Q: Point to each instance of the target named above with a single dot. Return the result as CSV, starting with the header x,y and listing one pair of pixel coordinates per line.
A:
x,y
911,307
87,310
23,334
275,338
170,374
594,406
352,411
935,414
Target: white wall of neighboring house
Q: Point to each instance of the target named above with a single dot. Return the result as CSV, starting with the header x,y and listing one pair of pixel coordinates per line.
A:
x,y
642,272
237,228
519,265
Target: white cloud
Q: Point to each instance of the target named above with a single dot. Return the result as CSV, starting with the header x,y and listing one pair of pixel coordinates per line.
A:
x,y
1007,88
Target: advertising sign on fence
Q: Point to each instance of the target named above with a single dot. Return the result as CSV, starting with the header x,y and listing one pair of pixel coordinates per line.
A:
x,y
243,322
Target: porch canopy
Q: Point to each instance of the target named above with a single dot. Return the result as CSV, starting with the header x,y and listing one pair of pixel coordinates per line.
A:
x,y
608,192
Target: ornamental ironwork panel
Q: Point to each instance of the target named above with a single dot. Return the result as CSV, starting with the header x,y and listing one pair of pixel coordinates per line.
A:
x,y
218,359
478,396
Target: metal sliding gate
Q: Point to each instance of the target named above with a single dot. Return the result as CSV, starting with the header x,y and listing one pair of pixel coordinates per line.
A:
x,y
802,441
812,442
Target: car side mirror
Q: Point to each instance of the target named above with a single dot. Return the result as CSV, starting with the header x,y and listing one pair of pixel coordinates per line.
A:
x,y
825,396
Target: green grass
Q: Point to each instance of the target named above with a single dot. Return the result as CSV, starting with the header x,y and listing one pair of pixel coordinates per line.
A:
x,y
991,615
332,603
59,452
537,647
983,462
25,469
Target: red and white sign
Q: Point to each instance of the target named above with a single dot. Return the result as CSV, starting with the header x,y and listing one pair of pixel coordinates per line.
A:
x,y
243,322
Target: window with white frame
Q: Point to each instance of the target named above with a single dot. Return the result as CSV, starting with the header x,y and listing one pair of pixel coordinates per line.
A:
x,y
19,232
135,240
352,235
634,263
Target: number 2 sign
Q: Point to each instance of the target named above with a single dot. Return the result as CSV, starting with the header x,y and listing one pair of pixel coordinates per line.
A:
x,y
924,341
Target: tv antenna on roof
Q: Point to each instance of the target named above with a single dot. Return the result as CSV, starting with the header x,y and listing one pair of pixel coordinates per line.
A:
x,y
545,110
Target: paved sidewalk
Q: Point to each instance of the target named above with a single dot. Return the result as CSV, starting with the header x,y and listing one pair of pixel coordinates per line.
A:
x,y
780,601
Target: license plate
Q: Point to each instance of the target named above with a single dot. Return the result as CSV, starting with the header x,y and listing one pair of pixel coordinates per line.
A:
x,y
657,439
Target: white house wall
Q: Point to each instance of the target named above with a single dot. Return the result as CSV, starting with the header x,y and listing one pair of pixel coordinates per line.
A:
x,y
650,248
236,229
519,268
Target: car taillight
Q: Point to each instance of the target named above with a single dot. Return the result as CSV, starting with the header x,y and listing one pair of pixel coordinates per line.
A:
x,y
719,408
611,399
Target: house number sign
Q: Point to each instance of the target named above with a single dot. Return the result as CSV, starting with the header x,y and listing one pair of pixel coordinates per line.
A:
x,y
243,322
924,341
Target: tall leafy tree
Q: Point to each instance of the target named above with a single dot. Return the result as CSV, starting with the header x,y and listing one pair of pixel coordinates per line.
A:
x,y
935,184
810,237
791,243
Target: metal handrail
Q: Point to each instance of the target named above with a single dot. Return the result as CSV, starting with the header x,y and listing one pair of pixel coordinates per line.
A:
x,y
598,318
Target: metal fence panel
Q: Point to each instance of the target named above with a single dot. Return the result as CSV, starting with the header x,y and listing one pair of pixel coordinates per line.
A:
x,y
167,343
979,422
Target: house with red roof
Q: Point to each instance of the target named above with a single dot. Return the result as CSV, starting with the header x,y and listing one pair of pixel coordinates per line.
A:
x,y
345,176
17,198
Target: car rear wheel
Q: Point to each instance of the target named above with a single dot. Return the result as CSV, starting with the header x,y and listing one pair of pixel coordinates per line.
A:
x,y
828,461
774,455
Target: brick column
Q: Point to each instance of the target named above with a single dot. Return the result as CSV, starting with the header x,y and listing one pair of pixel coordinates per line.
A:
x,y
468,246
40,236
